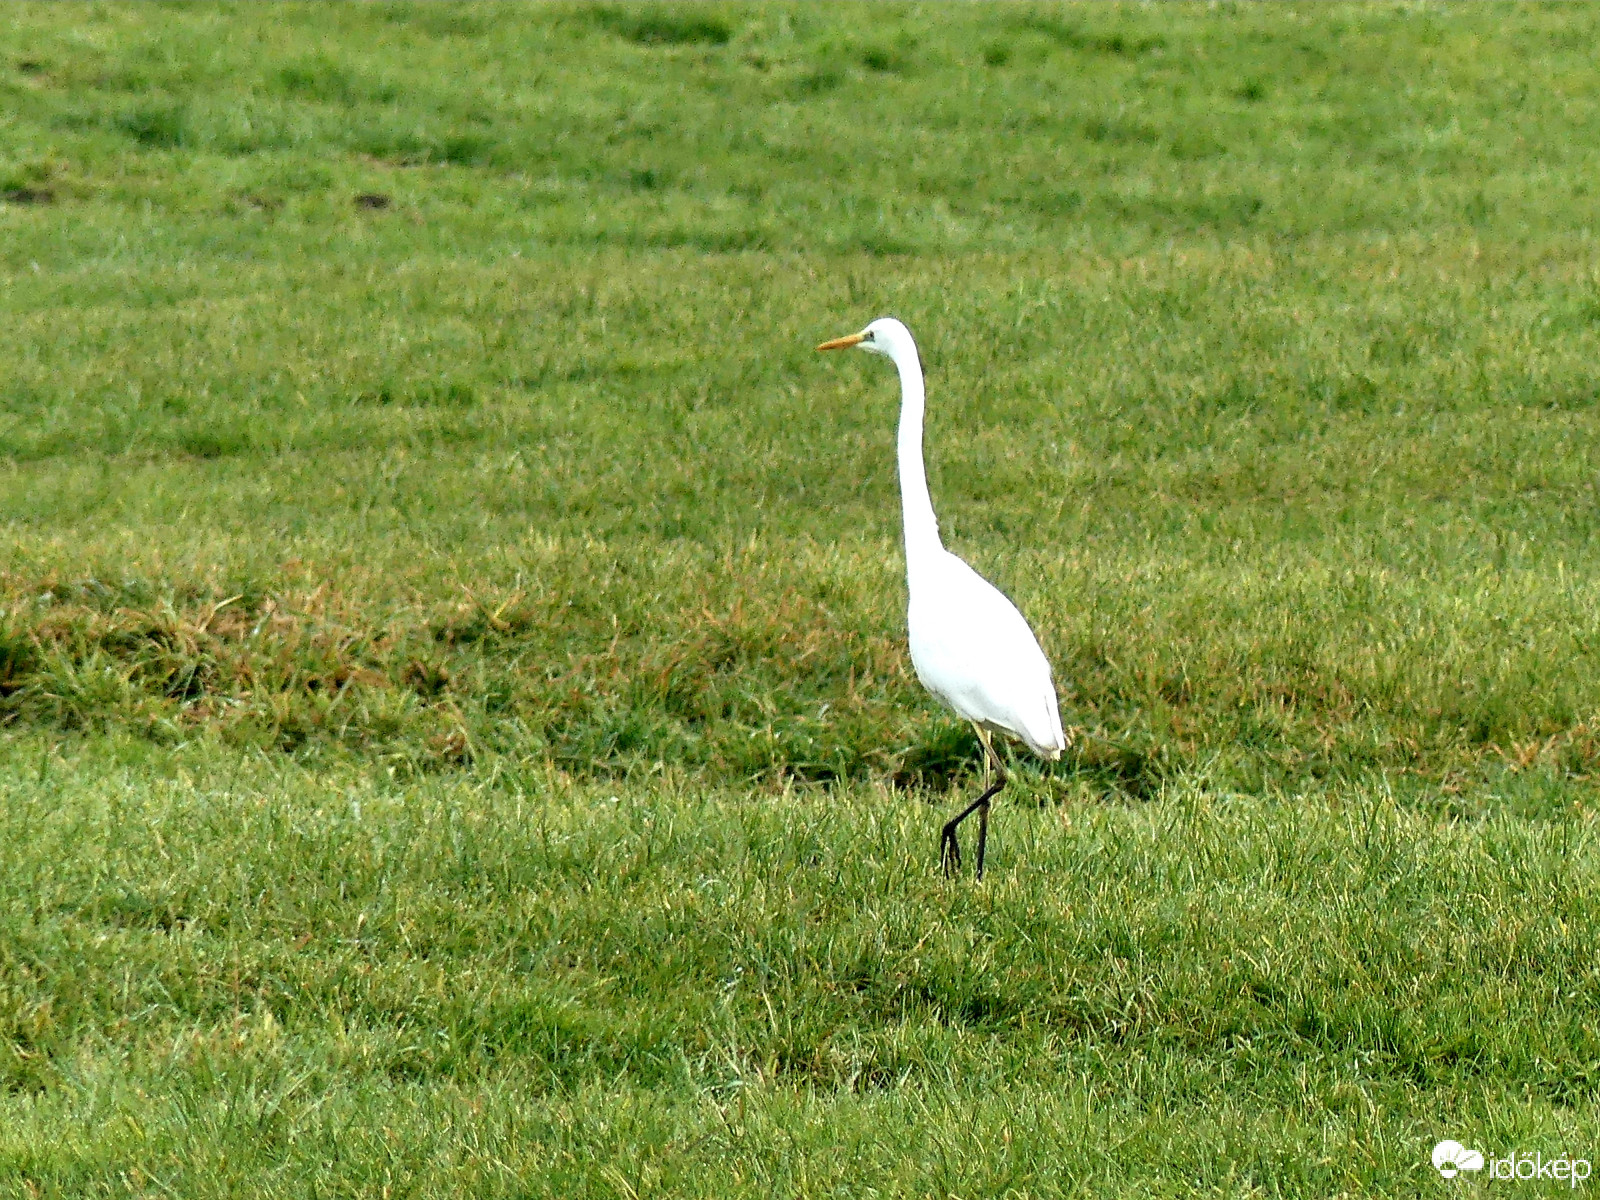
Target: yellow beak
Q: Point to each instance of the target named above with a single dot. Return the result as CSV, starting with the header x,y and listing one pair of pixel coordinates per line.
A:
x,y
850,339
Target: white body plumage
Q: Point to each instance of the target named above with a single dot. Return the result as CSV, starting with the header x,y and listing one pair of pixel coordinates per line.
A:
x,y
972,649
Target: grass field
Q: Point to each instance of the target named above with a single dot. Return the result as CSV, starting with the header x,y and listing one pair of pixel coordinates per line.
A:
x,y
457,735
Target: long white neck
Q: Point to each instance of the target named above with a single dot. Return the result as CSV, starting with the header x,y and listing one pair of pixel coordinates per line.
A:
x,y
916,507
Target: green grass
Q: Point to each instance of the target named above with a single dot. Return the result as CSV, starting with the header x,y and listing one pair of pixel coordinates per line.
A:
x,y
457,732
283,980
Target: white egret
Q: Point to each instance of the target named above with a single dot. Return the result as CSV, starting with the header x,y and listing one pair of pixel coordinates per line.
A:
x,y
970,646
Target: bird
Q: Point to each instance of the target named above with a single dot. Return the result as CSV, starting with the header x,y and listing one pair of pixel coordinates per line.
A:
x,y
969,645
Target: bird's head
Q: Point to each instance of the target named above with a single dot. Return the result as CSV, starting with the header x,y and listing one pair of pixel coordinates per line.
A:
x,y
885,336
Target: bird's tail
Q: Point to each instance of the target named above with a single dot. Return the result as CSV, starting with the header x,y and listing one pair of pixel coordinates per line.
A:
x,y
1049,740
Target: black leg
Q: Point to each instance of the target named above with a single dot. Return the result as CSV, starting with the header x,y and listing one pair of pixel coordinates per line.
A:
x,y
983,830
950,851
949,843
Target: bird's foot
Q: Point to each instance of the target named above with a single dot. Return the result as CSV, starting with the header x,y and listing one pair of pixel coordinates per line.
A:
x,y
950,851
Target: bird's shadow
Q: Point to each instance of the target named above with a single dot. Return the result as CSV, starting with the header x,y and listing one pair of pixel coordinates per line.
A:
x,y
1112,768
948,754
